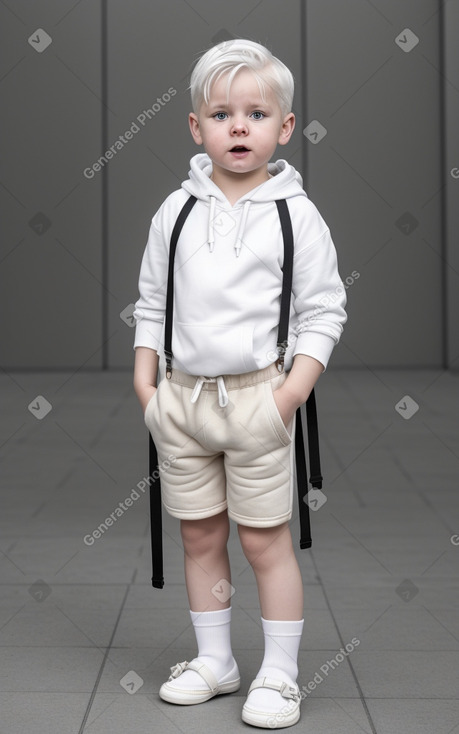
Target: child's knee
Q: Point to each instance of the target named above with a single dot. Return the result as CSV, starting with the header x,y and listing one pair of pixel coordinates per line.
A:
x,y
263,546
201,537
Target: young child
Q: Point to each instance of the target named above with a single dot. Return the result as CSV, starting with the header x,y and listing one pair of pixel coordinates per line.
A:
x,y
226,411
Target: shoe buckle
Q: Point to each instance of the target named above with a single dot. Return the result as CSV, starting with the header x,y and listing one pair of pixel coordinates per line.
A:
x,y
178,669
288,691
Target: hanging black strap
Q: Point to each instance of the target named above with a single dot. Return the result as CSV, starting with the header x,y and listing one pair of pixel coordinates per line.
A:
x,y
302,483
282,342
156,520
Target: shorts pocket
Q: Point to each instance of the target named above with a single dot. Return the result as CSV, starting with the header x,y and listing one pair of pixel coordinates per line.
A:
x,y
150,404
277,423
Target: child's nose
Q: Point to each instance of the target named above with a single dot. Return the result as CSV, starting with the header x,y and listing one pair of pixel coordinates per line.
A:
x,y
239,126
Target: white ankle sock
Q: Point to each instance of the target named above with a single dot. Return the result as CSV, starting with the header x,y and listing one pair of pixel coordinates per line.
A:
x,y
280,661
213,635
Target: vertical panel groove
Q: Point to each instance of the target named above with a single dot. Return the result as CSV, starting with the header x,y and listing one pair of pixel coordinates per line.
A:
x,y
444,191
104,212
304,107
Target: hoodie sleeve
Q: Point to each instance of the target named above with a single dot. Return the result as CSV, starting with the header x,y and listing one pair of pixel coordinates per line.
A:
x,y
150,308
319,296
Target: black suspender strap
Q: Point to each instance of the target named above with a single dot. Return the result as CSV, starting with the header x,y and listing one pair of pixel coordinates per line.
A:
x,y
287,277
189,204
311,412
282,342
156,524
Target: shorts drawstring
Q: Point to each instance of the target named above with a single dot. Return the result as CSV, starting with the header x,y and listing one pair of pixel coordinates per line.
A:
x,y
222,394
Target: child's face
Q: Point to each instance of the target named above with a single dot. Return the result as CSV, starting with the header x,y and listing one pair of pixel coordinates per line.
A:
x,y
245,122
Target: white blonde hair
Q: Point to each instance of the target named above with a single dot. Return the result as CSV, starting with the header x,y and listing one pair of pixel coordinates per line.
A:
x,y
232,56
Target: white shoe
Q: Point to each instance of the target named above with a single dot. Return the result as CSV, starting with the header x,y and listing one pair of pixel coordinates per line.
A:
x,y
188,696
289,708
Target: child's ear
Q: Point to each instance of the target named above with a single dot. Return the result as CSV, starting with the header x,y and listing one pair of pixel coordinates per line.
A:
x,y
194,128
287,129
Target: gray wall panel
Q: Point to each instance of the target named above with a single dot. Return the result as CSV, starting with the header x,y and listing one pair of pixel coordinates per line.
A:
x,y
50,275
451,174
379,159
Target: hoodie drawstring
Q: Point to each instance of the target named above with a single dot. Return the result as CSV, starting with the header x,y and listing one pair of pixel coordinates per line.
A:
x,y
210,229
222,394
240,230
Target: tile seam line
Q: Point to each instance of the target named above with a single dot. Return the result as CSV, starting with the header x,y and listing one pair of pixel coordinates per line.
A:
x,y
102,665
348,659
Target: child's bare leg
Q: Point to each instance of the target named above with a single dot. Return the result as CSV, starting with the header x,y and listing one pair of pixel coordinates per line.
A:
x,y
206,560
270,553
206,563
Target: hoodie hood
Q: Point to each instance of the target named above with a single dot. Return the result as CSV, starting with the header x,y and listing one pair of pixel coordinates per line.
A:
x,y
285,183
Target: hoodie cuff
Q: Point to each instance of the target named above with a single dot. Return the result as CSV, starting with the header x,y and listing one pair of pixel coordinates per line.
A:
x,y
313,344
147,334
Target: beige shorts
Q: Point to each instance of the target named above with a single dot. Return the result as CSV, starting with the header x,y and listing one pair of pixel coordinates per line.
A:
x,y
239,458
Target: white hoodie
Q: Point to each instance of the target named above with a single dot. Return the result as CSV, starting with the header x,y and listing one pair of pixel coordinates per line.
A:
x,y
228,277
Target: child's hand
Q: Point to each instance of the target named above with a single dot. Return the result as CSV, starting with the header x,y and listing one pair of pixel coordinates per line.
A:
x,y
298,385
286,402
145,370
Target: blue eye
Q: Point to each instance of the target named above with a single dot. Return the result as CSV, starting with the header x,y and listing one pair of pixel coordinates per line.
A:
x,y
220,115
258,115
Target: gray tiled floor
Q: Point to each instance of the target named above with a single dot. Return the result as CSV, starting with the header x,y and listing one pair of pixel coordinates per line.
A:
x,y
75,619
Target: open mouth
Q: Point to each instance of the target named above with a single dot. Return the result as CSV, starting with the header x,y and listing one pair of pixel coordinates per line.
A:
x,y
239,149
